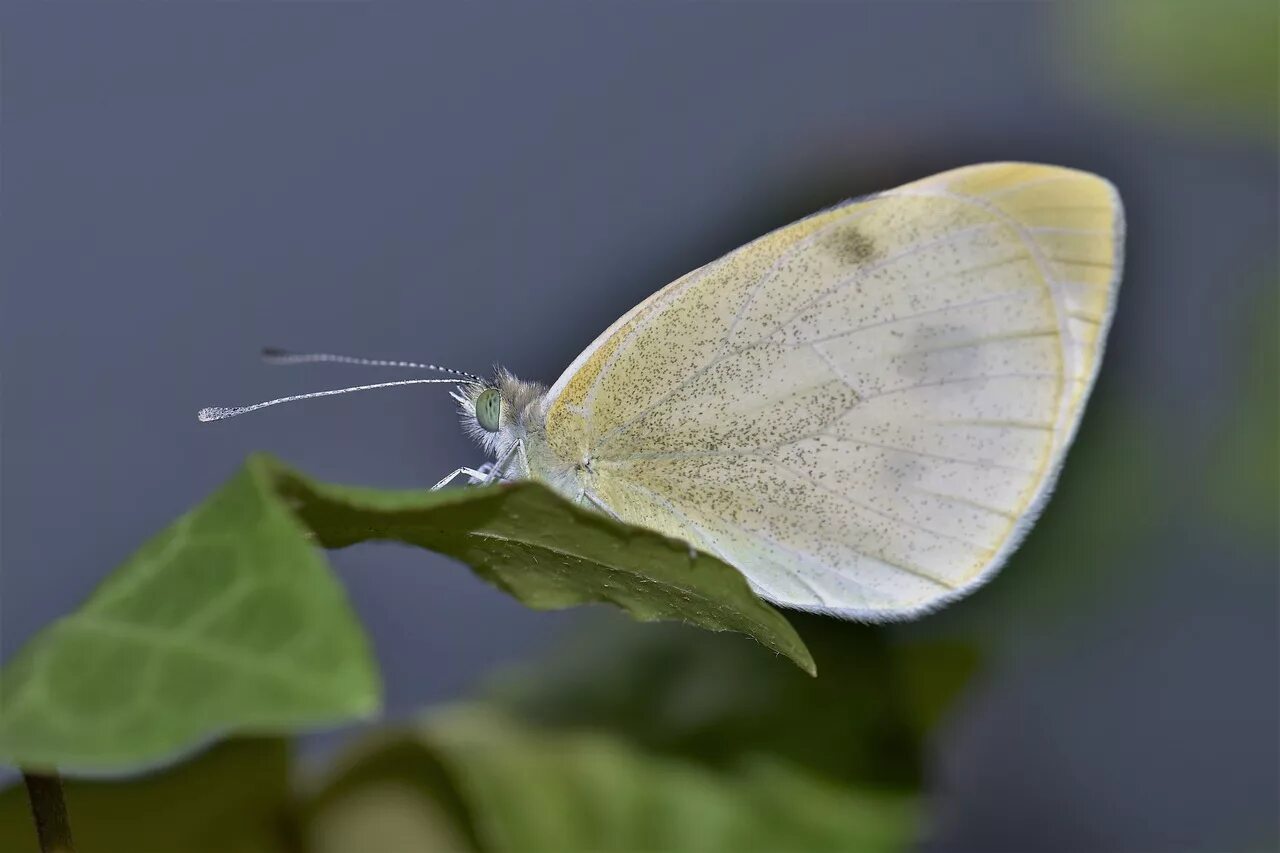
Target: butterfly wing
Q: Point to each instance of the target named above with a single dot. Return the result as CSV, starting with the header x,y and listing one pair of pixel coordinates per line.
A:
x,y
862,411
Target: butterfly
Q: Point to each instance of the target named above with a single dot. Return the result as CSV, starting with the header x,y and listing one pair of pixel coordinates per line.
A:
x,y
863,412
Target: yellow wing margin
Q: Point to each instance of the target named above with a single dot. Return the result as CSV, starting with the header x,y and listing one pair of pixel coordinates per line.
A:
x,y
1075,221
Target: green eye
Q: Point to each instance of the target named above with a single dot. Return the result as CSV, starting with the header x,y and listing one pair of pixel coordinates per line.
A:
x,y
489,409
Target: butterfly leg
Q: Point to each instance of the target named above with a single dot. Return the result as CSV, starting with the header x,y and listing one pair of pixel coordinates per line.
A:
x,y
497,470
476,476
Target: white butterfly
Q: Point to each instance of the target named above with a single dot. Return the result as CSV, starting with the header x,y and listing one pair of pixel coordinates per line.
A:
x,y
863,411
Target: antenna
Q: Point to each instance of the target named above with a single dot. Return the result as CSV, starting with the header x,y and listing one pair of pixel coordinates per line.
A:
x,y
272,355
217,413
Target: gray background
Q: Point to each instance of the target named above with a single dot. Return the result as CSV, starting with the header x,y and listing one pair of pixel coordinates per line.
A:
x,y
477,184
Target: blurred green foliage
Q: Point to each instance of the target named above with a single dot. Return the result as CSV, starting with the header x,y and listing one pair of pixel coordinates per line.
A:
x,y
680,692
645,738
524,788
1197,62
233,798
1243,467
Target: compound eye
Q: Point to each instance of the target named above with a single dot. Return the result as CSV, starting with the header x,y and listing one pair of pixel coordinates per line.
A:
x,y
489,409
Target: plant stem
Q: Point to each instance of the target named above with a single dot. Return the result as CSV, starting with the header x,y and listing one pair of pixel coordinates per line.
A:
x,y
49,810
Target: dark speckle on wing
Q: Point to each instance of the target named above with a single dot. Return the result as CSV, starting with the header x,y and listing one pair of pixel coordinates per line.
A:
x,y
849,245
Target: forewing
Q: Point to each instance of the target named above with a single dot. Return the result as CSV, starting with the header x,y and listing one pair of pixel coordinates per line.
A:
x,y
863,410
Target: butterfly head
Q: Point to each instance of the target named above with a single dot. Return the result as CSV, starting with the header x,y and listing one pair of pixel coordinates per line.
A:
x,y
496,412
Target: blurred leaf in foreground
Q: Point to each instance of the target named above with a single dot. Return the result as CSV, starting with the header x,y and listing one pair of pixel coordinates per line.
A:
x,y
234,798
227,620
685,693
519,788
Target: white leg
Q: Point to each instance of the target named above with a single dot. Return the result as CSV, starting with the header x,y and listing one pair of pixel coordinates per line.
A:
x,y
499,468
470,472
486,473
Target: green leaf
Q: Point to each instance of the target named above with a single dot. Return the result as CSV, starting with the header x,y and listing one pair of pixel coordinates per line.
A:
x,y
234,798
524,789
231,621
548,553
227,621
689,694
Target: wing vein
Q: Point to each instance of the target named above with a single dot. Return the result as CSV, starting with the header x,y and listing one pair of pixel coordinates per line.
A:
x,y
960,380
1052,284
859,274
796,472
786,256
724,354
1024,185
799,555
1000,424
941,310
714,547
940,457
1012,516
